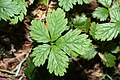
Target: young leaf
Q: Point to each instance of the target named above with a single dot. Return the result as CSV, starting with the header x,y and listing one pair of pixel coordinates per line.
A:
x,y
56,23
106,3
78,43
40,54
106,31
39,32
110,59
100,13
58,61
8,9
82,22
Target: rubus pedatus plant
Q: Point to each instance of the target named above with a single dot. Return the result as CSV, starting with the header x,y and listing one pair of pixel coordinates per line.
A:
x,y
59,42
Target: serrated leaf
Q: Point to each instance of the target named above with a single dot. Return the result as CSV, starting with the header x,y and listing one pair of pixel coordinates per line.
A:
x,y
114,14
22,11
106,3
58,61
56,23
93,29
81,22
67,4
78,43
110,59
39,31
40,54
85,1
106,31
8,9
100,13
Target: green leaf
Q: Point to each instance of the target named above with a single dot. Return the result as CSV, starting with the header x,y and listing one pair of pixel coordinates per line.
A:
x,y
22,11
110,60
8,9
114,14
56,23
57,46
106,3
82,22
67,4
58,61
85,1
39,31
40,54
106,31
93,29
78,43
13,10
100,13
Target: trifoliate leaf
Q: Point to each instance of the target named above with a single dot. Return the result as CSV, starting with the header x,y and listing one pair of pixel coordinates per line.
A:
x,y
56,23
106,31
40,54
110,59
100,13
8,9
39,32
82,22
106,3
58,61
78,43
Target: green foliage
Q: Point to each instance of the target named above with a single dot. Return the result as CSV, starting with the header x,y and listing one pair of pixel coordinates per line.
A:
x,y
110,30
8,9
105,31
67,4
56,46
110,59
101,13
81,22
12,10
106,3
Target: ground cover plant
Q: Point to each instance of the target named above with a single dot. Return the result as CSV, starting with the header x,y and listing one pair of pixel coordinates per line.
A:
x,y
59,34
